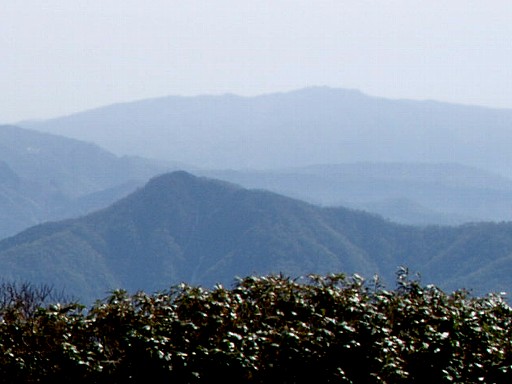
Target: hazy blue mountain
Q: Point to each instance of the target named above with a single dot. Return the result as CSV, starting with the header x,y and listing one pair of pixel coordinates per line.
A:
x,y
410,193
47,177
179,227
71,166
18,207
309,126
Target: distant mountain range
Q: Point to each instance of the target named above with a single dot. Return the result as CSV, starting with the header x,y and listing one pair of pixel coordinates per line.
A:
x,y
46,177
179,227
317,125
409,193
414,162
411,162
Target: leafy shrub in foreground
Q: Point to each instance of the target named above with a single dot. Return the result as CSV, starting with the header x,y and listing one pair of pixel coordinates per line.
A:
x,y
332,329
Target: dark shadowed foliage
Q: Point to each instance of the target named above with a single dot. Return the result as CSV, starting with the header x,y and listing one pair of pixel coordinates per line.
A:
x,y
332,329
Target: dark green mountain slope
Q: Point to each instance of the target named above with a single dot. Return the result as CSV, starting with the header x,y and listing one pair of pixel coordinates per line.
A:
x,y
183,228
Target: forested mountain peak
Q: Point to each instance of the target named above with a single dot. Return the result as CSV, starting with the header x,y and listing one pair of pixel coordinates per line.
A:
x,y
180,227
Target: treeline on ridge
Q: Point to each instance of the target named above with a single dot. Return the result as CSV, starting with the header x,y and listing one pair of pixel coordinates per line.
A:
x,y
333,329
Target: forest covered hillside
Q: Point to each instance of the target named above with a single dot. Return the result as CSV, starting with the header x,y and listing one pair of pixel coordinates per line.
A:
x,y
180,227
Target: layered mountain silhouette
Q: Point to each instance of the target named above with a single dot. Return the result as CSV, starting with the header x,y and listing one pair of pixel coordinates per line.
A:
x,y
46,177
317,125
180,227
410,193
414,162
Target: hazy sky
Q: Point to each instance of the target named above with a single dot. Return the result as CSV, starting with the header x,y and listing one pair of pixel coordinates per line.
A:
x,y
62,56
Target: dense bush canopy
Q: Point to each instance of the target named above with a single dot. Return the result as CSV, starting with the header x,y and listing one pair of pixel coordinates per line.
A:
x,y
271,329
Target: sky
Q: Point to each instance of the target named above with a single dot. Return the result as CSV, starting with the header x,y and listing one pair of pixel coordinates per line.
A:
x,y
59,56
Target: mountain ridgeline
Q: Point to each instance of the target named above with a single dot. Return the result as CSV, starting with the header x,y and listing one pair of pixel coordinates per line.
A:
x,y
46,177
180,227
414,162
408,193
316,125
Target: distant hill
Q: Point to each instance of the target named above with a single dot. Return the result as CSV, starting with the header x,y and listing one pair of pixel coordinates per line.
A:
x,y
411,193
183,228
46,177
414,162
317,125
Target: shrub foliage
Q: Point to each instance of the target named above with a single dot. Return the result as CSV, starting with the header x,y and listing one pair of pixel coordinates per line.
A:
x,y
271,329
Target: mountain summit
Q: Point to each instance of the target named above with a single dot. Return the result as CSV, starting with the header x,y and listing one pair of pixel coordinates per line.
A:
x,y
180,227
317,125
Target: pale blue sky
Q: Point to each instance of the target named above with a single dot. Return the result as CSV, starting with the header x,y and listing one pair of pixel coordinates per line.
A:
x,y
61,56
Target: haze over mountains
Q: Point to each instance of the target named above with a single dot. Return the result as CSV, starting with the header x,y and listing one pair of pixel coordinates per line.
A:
x,y
409,193
183,228
411,162
415,161
317,125
45,177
